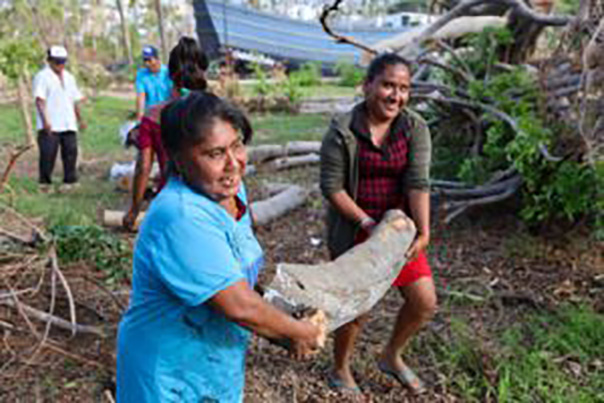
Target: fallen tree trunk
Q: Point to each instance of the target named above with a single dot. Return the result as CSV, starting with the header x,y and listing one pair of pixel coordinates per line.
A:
x,y
261,153
283,163
353,283
451,30
263,211
292,162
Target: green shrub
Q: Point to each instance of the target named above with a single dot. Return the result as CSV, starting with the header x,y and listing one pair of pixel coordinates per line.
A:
x,y
552,190
262,88
308,75
293,92
349,74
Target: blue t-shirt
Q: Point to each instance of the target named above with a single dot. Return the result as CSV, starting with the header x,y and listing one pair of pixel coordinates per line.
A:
x,y
172,345
157,87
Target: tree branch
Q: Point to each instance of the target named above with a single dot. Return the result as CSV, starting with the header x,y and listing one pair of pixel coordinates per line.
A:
x,y
327,10
56,321
463,9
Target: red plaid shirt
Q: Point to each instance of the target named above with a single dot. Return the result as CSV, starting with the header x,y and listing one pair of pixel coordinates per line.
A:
x,y
381,169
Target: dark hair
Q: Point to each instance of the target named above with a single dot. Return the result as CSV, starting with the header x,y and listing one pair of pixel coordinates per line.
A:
x,y
380,62
187,65
185,121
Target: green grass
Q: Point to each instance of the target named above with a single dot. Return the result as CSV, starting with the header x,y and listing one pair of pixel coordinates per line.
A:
x,y
281,128
104,115
81,206
531,361
12,128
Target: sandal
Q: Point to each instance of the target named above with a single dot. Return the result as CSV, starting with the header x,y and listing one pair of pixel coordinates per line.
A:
x,y
406,378
339,386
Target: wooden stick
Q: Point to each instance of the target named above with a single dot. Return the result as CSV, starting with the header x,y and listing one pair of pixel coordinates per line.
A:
x,y
11,164
55,268
56,321
54,347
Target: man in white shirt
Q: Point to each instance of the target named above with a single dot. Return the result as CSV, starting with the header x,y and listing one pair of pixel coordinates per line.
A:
x,y
58,117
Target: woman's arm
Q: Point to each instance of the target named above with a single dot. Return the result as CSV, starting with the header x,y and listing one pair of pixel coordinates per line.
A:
x,y
333,174
419,205
244,306
348,208
417,181
142,171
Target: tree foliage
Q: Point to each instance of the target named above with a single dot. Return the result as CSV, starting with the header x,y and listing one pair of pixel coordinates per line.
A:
x,y
553,189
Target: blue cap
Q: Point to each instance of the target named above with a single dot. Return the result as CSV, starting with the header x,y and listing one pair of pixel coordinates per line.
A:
x,y
149,52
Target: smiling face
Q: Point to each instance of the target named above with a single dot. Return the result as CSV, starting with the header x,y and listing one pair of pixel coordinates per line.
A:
x,y
216,165
388,92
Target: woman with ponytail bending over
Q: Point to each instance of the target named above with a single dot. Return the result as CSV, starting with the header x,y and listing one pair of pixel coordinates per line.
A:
x,y
186,68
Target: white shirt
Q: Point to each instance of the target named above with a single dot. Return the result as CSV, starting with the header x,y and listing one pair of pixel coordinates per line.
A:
x,y
60,99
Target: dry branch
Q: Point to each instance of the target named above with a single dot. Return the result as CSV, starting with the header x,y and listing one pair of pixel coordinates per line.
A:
x,y
55,321
56,271
327,10
453,29
12,160
456,208
464,8
481,191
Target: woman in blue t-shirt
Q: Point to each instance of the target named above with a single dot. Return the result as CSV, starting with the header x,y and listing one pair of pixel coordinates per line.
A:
x,y
185,334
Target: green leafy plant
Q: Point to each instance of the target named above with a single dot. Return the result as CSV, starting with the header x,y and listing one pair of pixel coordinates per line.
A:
x,y
18,57
95,245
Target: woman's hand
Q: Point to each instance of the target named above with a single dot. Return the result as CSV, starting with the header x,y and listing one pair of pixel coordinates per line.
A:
x,y
129,220
419,244
367,224
316,330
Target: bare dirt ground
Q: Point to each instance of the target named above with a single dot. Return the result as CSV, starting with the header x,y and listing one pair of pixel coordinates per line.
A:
x,y
486,256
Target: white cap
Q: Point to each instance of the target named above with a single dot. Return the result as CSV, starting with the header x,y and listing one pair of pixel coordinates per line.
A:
x,y
57,52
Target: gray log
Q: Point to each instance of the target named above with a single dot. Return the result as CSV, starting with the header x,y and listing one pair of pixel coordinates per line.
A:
x,y
267,210
353,283
261,153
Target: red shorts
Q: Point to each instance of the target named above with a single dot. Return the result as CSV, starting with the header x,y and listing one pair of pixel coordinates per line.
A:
x,y
411,272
